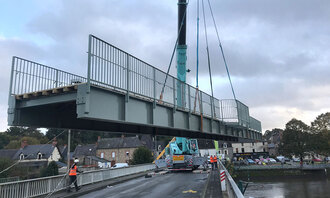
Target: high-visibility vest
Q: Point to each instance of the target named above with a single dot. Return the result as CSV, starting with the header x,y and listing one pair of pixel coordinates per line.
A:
x,y
215,158
211,159
73,171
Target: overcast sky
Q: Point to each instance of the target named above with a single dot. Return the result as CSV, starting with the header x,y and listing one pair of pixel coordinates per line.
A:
x,y
278,51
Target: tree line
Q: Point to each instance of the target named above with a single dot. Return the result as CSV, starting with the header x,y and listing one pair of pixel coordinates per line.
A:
x,y
300,139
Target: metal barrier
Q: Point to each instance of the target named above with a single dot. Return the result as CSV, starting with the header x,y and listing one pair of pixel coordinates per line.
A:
x,y
28,77
113,68
284,167
231,186
255,124
46,185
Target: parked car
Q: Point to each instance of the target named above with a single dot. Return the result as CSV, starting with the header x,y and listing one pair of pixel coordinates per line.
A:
x,y
296,159
250,161
317,160
272,160
120,165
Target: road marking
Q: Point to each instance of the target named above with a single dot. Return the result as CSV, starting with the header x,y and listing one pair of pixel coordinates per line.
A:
x,y
189,191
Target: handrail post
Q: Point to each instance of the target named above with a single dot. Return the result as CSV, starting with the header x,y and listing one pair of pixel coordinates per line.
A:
x,y
89,64
11,78
127,78
154,86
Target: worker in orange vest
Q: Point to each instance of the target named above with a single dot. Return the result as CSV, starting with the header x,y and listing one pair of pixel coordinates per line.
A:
x,y
212,161
73,175
215,161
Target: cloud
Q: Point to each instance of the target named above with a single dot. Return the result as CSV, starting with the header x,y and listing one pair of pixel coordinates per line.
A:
x,y
277,51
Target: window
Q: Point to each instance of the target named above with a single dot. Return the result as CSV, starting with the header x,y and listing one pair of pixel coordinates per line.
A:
x,y
102,155
242,150
263,143
21,156
253,150
224,145
252,143
39,156
264,149
242,144
113,155
226,153
236,150
127,153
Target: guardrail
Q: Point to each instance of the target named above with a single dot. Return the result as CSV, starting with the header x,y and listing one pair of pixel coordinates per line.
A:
x,y
111,67
231,186
46,185
284,167
28,77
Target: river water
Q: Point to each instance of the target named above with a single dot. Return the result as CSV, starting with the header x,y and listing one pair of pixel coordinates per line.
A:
x,y
290,188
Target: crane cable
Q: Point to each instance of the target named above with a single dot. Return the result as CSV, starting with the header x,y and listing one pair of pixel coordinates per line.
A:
x,y
221,48
176,44
197,63
208,60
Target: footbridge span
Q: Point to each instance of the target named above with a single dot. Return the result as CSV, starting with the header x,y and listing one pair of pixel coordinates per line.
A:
x,y
121,93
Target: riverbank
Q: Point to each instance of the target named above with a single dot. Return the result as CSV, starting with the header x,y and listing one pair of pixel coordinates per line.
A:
x,y
271,174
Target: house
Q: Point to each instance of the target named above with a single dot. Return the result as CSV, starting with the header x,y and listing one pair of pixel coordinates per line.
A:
x,y
84,152
37,155
206,147
225,149
121,149
246,148
8,153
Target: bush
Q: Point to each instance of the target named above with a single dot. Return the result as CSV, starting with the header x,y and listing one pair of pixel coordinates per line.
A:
x,y
142,155
5,163
50,170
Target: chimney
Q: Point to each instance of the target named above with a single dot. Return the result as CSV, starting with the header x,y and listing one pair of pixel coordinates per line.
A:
x,y
24,143
54,142
98,139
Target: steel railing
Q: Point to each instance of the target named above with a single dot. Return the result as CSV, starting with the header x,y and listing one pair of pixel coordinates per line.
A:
x,y
111,67
43,186
28,77
231,186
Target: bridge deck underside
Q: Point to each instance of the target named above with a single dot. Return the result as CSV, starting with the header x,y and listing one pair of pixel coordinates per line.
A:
x,y
97,109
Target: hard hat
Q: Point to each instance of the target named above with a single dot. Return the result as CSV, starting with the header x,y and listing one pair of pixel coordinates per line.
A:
x,y
76,160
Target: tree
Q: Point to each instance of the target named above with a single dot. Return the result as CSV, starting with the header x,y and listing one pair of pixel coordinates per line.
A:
x,y
4,140
142,155
321,136
50,170
321,123
15,144
295,140
5,163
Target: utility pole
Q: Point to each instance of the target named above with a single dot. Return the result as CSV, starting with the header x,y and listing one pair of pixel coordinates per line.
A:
x,y
68,153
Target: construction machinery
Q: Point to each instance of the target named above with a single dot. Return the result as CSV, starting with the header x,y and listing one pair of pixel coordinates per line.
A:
x,y
181,154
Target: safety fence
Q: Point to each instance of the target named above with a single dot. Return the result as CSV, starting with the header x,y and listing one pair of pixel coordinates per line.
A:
x,y
28,77
284,167
231,187
113,68
255,124
46,185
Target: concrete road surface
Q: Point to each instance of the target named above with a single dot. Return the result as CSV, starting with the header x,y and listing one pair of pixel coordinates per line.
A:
x,y
169,185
